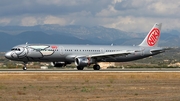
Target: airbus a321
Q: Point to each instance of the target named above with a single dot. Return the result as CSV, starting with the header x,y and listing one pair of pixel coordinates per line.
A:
x,y
84,55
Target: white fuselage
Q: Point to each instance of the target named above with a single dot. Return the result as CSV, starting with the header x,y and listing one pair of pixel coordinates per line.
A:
x,y
49,53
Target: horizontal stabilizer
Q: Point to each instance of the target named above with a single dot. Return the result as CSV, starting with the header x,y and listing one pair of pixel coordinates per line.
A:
x,y
160,50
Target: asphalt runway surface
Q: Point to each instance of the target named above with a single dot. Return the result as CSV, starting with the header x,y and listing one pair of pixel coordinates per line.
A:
x,y
91,70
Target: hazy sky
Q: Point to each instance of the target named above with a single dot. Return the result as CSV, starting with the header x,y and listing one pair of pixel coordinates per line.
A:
x,y
126,15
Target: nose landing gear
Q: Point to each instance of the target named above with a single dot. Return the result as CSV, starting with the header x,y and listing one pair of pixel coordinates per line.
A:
x,y
24,67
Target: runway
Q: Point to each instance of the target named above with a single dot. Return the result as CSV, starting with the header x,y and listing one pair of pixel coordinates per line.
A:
x,y
91,70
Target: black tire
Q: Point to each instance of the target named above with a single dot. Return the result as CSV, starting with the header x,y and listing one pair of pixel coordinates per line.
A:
x,y
24,68
80,68
96,67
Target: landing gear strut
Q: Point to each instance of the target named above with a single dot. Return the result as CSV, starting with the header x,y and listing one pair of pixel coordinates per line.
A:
x,y
24,67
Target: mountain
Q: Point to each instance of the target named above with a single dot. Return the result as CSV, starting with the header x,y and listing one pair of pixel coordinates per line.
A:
x,y
98,34
8,41
13,35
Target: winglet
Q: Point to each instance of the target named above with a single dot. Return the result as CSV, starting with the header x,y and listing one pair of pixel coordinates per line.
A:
x,y
151,40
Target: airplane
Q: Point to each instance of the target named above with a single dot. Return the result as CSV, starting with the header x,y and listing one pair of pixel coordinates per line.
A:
x,y
84,55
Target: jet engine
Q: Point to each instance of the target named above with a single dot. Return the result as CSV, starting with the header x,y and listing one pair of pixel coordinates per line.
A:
x,y
58,64
83,61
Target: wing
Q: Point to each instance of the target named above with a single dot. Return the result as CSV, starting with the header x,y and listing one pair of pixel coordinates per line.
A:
x,y
111,54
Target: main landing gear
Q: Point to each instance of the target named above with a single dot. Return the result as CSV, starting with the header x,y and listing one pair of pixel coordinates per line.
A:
x,y
80,67
95,67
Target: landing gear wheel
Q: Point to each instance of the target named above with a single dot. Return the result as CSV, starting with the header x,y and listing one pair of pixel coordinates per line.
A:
x,y
96,67
24,68
80,67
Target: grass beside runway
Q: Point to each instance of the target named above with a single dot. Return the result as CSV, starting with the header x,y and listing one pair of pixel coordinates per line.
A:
x,y
91,86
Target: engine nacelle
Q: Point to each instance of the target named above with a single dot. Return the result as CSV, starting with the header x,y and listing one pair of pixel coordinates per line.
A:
x,y
83,61
57,64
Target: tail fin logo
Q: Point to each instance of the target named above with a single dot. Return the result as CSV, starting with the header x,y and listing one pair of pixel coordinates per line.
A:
x,y
153,37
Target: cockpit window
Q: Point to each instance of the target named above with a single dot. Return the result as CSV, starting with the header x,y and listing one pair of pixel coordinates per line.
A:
x,y
13,49
16,49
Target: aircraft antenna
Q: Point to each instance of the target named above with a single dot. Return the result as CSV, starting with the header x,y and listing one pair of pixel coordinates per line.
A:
x,y
26,44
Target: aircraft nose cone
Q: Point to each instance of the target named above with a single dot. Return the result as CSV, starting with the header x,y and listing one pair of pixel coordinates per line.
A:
x,y
8,55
